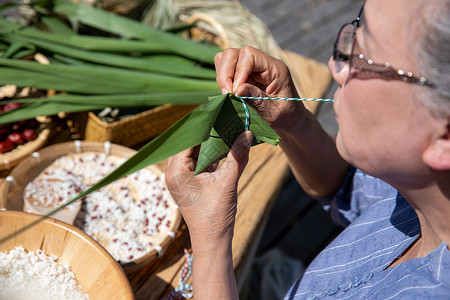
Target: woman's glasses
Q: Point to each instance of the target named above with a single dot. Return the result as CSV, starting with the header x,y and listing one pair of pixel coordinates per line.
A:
x,y
343,53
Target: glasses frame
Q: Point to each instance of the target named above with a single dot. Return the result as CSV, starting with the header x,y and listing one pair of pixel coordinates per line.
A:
x,y
358,60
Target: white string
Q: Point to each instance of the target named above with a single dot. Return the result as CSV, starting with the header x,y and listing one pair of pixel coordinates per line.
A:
x,y
288,99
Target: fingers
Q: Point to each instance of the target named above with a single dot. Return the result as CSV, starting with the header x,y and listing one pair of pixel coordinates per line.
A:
x,y
234,66
237,69
245,66
237,158
225,63
249,90
181,162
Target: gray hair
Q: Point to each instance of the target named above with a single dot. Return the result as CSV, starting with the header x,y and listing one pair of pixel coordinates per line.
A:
x,y
434,56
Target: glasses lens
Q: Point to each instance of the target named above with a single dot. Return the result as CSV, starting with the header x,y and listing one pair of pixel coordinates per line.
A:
x,y
343,46
345,39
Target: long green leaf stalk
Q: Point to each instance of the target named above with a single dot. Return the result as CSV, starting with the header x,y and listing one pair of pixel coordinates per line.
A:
x,y
130,65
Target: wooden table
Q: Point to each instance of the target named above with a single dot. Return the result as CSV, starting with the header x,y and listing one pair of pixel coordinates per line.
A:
x,y
258,188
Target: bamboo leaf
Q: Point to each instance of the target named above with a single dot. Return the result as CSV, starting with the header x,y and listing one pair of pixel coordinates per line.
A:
x,y
43,109
194,129
97,43
184,134
167,67
34,107
228,126
56,26
14,48
23,53
57,58
95,79
7,27
133,29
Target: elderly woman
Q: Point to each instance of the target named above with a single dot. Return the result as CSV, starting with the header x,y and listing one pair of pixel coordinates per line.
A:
x,y
387,175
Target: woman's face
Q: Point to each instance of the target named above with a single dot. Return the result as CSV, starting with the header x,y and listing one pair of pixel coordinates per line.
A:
x,y
383,127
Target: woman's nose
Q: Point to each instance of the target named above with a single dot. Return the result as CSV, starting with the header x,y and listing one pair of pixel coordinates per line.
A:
x,y
339,70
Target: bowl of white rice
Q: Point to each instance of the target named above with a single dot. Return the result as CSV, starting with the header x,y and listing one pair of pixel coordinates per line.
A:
x,y
54,260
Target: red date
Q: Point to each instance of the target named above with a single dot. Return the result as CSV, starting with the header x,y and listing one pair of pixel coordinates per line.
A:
x,y
11,106
6,146
29,135
16,138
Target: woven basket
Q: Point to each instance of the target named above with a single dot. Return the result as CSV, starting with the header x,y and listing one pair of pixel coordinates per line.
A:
x,y
11,190
135,129
10,159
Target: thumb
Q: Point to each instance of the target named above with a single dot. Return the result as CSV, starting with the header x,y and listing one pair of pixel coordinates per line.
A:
x,y
249,90
238,156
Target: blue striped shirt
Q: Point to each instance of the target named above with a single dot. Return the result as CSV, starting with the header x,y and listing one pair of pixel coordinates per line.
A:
x,y
381,226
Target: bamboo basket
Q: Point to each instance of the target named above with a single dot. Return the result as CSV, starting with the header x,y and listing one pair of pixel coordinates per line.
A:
x,y
11,190
135,129
99,275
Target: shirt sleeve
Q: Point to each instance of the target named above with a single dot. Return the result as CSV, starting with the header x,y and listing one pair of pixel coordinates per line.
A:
x,y
358,192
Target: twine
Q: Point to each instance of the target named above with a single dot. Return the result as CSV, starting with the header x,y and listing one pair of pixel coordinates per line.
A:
x,y
184,290
247,113
288,99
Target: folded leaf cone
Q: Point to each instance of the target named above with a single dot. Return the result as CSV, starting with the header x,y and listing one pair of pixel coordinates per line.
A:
x,y
230,123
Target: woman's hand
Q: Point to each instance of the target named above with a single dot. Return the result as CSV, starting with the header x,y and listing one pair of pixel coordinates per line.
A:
x,y
208,200
250,72
208,203
312,154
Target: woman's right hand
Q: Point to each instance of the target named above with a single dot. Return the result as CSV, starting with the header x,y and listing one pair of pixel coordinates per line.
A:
x,y
250,72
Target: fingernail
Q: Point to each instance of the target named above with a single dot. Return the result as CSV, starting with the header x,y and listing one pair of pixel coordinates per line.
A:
x,y
235,87
247,137
224,91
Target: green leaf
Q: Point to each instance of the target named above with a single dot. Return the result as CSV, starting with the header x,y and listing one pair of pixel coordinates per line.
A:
x,y
115,60
188,132
7,27
97,43
95,79
14,48
34,107
129,28
23,53
56,25
57,58
228,126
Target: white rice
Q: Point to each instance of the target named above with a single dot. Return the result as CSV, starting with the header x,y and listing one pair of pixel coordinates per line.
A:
x,y
34,275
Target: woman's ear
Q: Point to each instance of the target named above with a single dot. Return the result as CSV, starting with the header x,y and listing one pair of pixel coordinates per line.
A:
x,y
437,155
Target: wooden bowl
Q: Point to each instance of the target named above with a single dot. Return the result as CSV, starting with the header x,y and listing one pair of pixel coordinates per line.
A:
x,y
11,191
98,273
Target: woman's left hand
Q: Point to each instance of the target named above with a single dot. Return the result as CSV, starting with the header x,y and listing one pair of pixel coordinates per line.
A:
x,y
208,200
